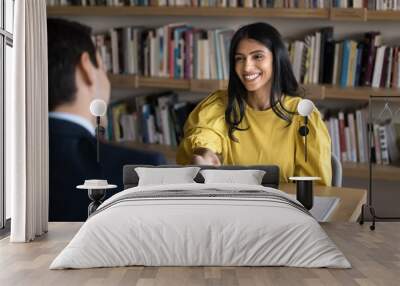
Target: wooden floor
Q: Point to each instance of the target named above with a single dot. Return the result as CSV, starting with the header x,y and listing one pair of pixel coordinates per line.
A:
x,y
375,257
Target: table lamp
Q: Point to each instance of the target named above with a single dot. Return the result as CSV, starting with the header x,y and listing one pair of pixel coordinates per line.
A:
x,y
304,185
98,108
305,108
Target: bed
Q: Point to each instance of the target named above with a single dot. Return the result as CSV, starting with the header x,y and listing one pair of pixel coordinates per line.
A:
x,y
201,224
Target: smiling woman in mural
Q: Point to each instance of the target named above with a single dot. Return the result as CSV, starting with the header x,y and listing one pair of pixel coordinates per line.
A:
x,y
254,121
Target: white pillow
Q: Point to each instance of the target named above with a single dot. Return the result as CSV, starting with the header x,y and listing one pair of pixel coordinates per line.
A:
x,y
248,177
163,176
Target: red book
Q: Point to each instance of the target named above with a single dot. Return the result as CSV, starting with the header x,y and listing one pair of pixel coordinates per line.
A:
x,y
372,40
342,137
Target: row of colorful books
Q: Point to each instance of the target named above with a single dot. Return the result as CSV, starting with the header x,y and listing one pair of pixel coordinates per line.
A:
x,y
381,5
351,139
183,52
175,50
348,63
156,119
198,3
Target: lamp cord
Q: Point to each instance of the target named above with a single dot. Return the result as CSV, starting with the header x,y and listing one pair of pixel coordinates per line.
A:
x,y
97,138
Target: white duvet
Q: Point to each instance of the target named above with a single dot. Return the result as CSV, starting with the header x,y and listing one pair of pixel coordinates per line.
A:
x,y
200,231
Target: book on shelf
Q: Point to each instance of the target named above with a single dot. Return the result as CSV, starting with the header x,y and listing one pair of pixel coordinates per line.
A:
x,y
179,51
154,118
349,136
379,5
175,50
196,3
318,59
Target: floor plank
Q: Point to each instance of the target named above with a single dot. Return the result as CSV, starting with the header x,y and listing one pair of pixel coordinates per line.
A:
x,y
375,257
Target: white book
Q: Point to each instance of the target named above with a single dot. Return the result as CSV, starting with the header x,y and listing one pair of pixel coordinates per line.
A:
x,y
225,70
127,52
312,60
153,46
348,144
165,125
134,51
233,3
357,4
163,104
114,51
362,136
317,57
376,78
353,137
205,55
298,56
218,53
213,62
335,137
151,129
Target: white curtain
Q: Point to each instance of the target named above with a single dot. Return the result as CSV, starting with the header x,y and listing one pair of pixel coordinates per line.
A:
x,y
27,124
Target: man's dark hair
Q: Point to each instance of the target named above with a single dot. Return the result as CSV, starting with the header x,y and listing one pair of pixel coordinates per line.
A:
x,y
66,42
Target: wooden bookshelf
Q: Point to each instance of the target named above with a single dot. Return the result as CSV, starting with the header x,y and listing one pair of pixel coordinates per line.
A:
x,y
312,91
333,14
111,11
315,92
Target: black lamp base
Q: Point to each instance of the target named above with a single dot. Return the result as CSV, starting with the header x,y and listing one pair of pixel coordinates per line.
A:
x,y
305,193
97,196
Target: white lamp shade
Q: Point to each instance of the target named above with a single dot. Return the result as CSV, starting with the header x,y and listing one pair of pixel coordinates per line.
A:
x,y
98,107
305,107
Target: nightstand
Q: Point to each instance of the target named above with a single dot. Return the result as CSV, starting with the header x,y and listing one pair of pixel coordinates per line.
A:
x,y
96,191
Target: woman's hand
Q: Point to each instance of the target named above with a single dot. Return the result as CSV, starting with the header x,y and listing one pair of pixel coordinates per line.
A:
x,y
204,156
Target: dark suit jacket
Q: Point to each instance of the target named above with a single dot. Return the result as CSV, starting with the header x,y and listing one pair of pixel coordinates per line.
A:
x,y
72,159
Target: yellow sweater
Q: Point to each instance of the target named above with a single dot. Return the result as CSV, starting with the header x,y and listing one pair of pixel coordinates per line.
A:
x,y
268,140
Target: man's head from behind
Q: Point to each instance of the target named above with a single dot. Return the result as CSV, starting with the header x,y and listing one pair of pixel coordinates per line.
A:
x,y
76,72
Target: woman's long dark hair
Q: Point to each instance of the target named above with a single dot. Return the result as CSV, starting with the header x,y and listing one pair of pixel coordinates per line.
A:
x,y
283,79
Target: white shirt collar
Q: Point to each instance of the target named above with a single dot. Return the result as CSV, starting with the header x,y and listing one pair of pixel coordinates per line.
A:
x,y
75,119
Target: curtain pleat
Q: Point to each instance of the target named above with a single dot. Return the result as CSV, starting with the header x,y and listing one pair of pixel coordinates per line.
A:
x,y
28,160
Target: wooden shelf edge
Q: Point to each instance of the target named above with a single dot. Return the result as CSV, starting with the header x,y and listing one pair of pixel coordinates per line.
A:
x,y
357,93
383,15
333,14
379,172
123,81
312,91
348,14
110,11
163,82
